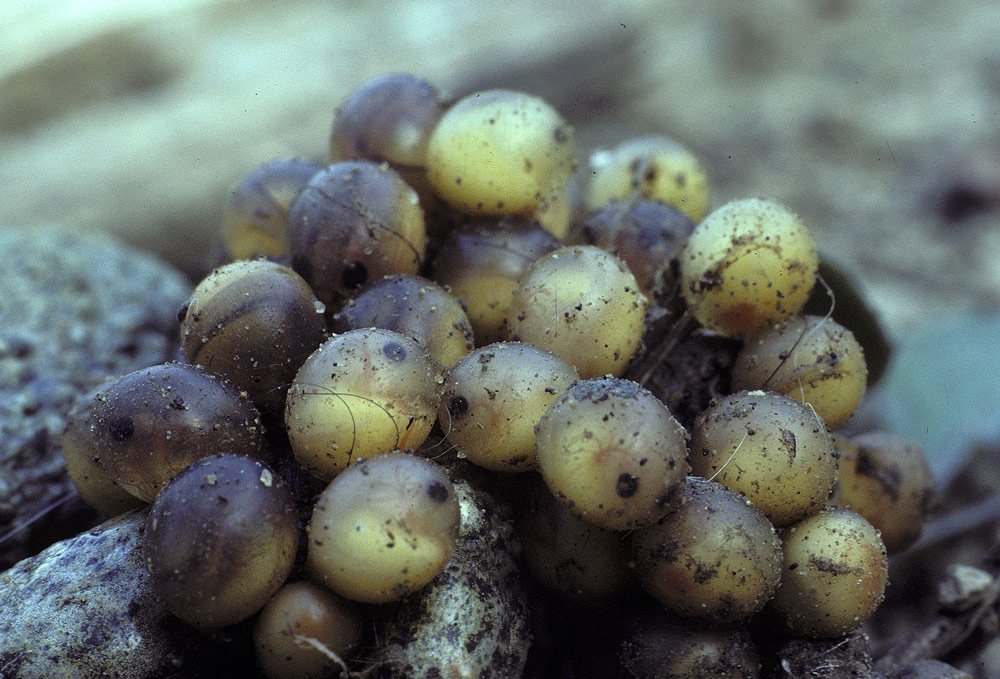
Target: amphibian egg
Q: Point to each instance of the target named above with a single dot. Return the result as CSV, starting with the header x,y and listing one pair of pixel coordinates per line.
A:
x,y
583,304
715,557
388,118
359,394
613,453
92,481
494,397
254,219
253,322
300,615
482,263
814,360
656,168
834,575
354,222
383,528
749,264
416,307
500,152
220,540
150,424
769,447
647,234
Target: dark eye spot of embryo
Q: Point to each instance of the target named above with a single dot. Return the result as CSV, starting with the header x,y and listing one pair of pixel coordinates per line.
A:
x,y
394,351
437,492
627,485
121,428
458,406
354,275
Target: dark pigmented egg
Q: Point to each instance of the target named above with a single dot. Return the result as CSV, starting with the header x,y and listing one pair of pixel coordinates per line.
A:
x,y
354,222
388,118
92,481
253,322
254,219
220,539
416,307
613,453
150,424
647,234
383,528
661,645
565,553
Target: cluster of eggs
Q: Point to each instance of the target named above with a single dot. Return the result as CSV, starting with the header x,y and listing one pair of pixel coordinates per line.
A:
x,y
448,284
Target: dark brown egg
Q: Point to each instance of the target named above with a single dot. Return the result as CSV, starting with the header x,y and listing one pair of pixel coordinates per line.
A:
x,y
387,118
565,553
253,322
416,307
482,262
92,481
647,234
220,539
661,645
354,222
150,424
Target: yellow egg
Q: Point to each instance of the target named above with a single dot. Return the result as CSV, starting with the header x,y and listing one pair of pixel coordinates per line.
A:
x,y
583,304
383,528
834,574
656,168
749,264
814,360
500,152
359,394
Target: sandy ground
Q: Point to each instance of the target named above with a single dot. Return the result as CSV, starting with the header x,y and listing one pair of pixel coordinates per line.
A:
x,y
877,121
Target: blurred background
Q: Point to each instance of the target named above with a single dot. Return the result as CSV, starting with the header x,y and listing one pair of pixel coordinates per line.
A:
x,y
877,120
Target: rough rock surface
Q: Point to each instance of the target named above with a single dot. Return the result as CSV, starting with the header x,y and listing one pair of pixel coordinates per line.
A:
x,y
471,622
848,656
84,608
74,310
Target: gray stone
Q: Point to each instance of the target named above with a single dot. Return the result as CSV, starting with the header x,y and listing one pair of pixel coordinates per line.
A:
x,y
963,587
84,608
74,310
